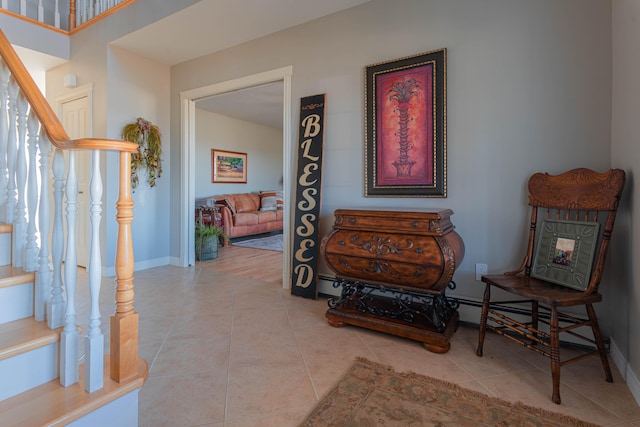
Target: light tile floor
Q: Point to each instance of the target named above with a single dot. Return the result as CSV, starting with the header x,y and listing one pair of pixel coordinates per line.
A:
x,y
224,350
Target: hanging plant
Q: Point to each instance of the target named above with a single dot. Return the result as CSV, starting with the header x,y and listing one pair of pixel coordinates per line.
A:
x,y
148,138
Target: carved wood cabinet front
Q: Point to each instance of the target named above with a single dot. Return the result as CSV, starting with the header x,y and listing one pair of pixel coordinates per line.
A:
x,y
411,250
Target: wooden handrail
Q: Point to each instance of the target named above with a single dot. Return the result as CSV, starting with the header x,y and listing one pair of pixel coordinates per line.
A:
x,y
47,117
124,323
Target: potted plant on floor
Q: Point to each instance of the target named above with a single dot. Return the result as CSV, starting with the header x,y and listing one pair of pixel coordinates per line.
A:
x,y
207,238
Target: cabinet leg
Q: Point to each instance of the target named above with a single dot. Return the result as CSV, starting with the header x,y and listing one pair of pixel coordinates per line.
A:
x,y
336,323
435,348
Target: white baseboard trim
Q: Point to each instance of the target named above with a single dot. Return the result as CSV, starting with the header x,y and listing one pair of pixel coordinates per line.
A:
x,y
633,384
138,266
177,262
325,286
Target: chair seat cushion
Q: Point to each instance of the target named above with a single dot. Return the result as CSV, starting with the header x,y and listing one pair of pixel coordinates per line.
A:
x,y
541,291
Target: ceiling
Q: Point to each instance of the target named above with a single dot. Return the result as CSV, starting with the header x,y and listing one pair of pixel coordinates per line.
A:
x,y
213,25
260,104
37,61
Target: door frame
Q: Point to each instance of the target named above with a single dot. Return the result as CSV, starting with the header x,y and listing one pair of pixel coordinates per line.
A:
x,y
188,100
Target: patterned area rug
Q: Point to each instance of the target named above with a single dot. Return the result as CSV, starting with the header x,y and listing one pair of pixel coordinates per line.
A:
x,y
371,394
270,243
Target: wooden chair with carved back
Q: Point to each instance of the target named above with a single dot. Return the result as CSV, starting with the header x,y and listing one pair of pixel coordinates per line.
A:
x,y
572,218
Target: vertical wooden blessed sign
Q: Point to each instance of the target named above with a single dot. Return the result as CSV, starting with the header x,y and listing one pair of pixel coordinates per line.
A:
x,y
306,244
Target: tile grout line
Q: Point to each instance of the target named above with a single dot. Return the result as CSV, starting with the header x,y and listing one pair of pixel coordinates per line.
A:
x,y
227,387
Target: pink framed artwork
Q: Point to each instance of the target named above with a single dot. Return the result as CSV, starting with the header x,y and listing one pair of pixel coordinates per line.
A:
x,y
405,127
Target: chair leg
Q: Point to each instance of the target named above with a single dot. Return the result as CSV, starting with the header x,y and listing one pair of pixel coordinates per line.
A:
x,y
483,319
534,322
555,354
599,342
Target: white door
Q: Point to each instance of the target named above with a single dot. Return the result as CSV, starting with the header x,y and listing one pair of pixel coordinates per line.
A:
x,y
76,119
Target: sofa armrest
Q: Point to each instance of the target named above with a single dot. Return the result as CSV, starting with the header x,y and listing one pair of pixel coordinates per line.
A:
x,y
227,218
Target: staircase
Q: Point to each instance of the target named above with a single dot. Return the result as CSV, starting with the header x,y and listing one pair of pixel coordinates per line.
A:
x,y
42,379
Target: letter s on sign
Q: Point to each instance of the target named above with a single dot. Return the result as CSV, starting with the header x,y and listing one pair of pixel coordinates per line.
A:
x,y
308,194
306,220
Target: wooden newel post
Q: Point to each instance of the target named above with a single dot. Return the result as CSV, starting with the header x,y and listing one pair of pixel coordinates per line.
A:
x,y
72,14
124,323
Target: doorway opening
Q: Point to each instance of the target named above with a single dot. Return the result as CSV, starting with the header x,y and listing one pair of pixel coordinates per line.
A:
x,y
188,100
75,110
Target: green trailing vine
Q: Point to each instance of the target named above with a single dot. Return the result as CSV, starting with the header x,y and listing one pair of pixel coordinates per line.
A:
x,y
148,138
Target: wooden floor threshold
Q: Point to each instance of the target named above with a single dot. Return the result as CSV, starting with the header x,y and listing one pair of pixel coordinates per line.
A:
x,y
21,336
51,405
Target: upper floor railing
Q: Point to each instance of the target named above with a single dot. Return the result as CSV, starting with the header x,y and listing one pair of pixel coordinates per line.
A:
x,y
38,159
62,15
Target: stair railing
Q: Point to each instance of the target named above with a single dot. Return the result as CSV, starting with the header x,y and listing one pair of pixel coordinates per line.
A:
x,y
30,132
64,15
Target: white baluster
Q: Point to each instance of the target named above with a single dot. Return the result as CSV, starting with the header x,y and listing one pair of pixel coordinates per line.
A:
x,y
12,153
20,220
4,4
43,277
85,10
94,341
80,13
23,7
4,178
55,306
69,336
92,10
56,16
30,256
40,12
98,8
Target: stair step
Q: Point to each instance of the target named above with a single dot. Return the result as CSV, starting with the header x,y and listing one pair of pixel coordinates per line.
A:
x,y
53,405
10,276
21,336
28,356
16,294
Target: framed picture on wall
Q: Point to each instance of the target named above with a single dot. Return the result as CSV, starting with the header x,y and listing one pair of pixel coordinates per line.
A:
x,y
405,127
228,167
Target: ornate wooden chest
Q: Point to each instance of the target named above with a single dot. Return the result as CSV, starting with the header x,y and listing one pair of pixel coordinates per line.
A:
x,y
393,268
